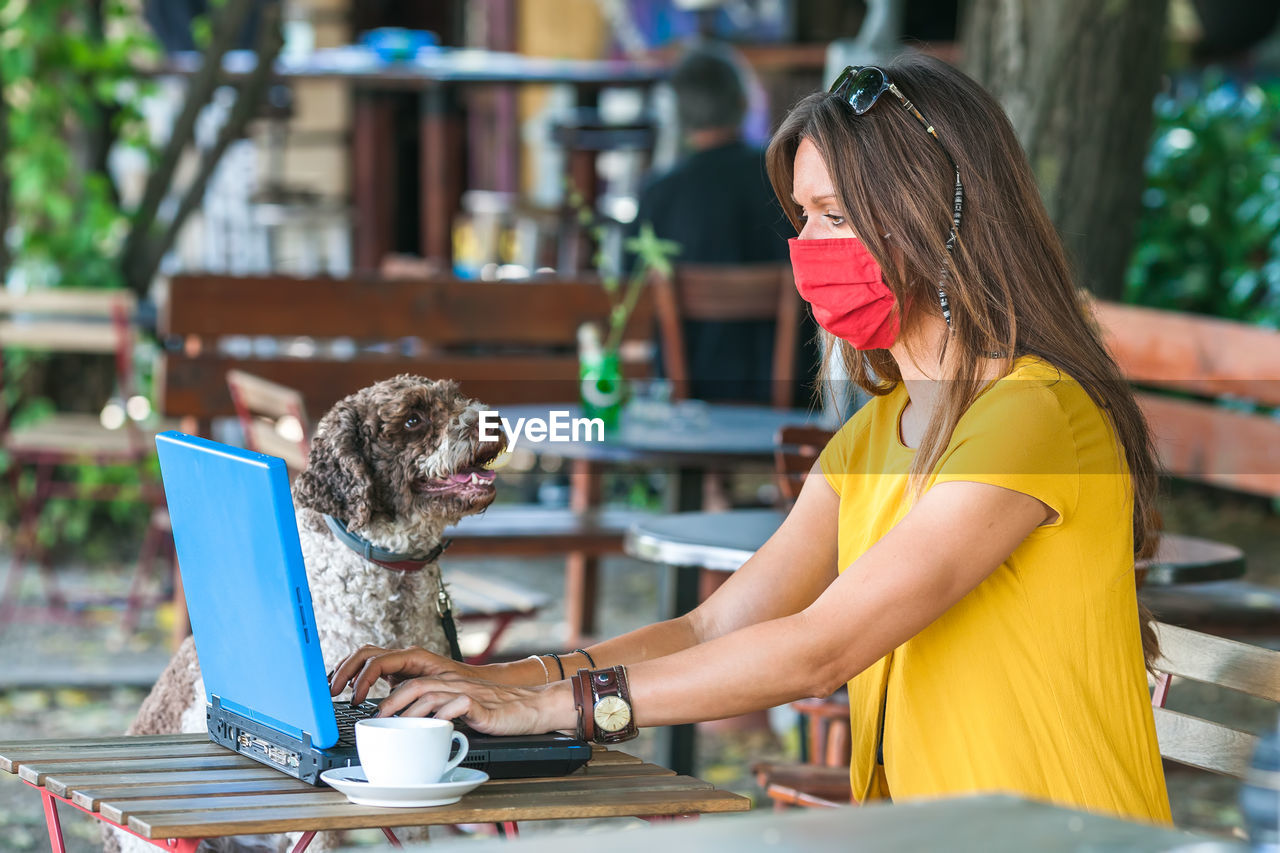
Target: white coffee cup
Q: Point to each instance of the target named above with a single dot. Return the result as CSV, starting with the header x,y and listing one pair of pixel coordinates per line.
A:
x,y
400,751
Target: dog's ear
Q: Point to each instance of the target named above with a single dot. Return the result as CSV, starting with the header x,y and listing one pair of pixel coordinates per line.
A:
x,y
337,480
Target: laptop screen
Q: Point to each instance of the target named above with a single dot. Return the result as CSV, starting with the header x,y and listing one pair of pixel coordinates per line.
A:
x,y
246,585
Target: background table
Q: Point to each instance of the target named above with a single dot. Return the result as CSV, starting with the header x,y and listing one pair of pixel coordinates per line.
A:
x,y
183,787
723,541
987,824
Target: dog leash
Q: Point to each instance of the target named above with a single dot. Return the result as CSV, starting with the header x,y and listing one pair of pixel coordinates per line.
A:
x,y
405,563
444,606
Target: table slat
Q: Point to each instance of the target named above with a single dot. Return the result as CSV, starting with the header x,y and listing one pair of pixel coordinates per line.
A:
x,y
92,797
14,752
490,795
350,816
36,773
214,785
600,755
60,785
83,755
120,811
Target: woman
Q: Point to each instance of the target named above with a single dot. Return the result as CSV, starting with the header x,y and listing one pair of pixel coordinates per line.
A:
x,y
963,554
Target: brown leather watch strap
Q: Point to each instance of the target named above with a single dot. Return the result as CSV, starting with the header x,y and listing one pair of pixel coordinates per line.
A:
x,y
609,685
584,701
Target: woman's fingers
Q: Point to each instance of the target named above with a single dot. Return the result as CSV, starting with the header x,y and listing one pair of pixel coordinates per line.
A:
x,y
387,665
364,667
445,706
485,706
345,671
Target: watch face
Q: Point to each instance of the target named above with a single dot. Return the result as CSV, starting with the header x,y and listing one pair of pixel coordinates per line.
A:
x,y
612,714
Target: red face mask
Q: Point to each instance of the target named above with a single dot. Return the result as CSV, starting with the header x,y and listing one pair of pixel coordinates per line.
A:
x,y
843,283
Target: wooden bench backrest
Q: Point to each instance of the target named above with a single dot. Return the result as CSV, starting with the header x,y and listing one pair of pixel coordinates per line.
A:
x,y
1212,660
1208,357
67,320
505,342
726,293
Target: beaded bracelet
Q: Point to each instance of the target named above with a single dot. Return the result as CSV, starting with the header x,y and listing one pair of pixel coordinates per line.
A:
x,y
546,673
587,655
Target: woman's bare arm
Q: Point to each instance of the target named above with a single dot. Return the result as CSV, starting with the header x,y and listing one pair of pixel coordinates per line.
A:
x,y
946,545
786,575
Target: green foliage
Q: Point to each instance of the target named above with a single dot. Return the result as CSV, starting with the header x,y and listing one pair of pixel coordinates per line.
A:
x,y
71,83
1209,237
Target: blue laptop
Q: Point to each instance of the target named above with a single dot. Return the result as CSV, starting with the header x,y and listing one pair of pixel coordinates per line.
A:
x,y
251,616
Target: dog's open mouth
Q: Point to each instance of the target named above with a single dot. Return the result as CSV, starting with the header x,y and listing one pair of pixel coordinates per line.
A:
x,y
468,480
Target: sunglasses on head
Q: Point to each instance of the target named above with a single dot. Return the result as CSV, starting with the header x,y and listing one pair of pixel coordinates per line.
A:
x,y
860,86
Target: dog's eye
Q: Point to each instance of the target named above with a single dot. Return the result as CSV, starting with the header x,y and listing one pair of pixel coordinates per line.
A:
x,y
413,422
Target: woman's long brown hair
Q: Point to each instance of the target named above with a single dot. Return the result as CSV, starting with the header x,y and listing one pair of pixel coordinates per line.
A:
x,y
1009,285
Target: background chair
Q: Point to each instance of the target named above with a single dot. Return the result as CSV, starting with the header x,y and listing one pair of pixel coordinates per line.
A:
x,y
822,777
1200,743
44,452
1186,740
273,418
719,293
797,449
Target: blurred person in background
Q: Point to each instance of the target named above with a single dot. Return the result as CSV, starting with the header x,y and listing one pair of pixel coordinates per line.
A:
x,y
716,202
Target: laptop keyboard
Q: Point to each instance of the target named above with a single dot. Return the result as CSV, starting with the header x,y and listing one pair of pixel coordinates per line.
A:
x,y
348,715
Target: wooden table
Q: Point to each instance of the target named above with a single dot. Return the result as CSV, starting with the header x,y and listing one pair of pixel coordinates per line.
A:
x,y
982,824
174,790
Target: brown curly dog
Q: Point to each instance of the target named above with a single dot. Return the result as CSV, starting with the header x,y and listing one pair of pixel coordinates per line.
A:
x,y
392,465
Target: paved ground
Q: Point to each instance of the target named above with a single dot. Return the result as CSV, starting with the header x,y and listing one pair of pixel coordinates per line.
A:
x,y
89,679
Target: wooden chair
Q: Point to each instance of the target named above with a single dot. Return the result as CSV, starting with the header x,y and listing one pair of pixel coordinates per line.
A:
x,y
273,418
722,293
83,322
823,778
1233,665
1184,739
796,448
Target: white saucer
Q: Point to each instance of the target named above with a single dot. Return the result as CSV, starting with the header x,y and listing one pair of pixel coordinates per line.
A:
x,y
351,781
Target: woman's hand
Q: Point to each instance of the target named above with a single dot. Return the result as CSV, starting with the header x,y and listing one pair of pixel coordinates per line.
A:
x,y
484,706
367,664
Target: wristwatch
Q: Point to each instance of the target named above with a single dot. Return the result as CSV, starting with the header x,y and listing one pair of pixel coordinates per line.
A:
x,y
603,700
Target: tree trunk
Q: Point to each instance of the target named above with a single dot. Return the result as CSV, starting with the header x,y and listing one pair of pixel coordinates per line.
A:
x,y
1077,80
134,258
